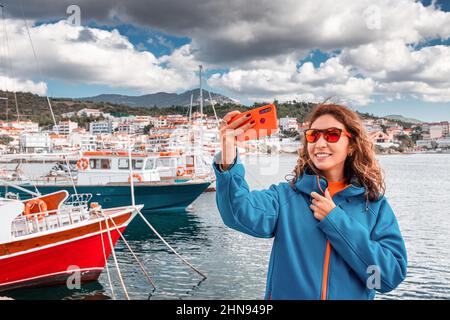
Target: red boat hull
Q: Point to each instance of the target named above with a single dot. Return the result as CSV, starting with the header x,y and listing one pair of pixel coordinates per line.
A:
x,y
53,264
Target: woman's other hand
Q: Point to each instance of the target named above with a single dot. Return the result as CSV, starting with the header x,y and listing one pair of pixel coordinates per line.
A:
x,y
321,206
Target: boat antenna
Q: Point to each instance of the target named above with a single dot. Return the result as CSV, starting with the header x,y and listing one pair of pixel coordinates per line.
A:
x,y
201,118
200,68
190,108
214,109
36,60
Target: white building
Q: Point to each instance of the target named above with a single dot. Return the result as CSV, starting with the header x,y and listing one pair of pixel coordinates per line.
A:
x,y
140,122
288,123
443,142
445,128
65,127
90,113
83,141
100,127
59,142
159,122
35,143
126,127
371,125
87,113
436,132
26,126
425,143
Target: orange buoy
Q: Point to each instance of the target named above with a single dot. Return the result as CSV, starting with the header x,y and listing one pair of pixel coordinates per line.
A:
x,y
30,208
136,176
83,164
95,205
180,171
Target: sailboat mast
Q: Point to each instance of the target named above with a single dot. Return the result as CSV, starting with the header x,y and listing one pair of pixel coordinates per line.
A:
x,y
8,62
200,67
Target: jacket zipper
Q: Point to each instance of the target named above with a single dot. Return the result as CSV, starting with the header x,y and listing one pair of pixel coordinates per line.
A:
x,y
326,266
326,263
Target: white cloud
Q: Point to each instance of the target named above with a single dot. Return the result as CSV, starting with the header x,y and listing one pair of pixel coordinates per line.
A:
x,y
253,30
378,52
260,43
331,79
94,56
401,69
392,69
13,84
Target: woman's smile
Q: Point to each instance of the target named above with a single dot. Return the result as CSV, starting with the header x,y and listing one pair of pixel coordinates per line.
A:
x,y
321,156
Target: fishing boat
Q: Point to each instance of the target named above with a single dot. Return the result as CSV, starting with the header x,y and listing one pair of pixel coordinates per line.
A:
x,y
165,182
48,239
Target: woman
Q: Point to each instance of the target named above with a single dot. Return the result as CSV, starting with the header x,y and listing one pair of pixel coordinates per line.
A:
x,y
335,234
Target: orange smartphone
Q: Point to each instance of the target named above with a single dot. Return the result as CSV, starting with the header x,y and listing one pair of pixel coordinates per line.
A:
x,y
266,122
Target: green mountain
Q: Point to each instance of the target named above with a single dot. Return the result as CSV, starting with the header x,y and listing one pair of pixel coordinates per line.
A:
x,y
35,108
402,118
161,99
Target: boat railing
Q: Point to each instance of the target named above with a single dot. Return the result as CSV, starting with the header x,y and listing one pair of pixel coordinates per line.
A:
x,y
78,200
49,220
38,180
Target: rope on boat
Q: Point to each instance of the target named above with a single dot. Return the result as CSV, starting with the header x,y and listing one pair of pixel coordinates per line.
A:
x,y
106,261
134,255
168,245
115,258
71,177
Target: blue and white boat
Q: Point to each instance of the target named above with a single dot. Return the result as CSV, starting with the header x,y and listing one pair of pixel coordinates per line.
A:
x,y
162,182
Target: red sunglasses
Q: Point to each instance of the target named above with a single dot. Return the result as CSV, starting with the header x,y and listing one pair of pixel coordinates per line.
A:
x,y
331,135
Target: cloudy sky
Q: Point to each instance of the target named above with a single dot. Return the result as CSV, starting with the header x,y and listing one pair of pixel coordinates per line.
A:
x,y
378,56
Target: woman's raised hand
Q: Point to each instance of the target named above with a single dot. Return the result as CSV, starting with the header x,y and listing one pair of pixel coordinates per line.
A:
x,y
228,134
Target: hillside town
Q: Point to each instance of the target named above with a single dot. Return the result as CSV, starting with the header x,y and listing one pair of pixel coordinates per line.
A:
x,y
161,133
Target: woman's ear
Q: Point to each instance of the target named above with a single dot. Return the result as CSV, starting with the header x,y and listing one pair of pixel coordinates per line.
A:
x,y
350,151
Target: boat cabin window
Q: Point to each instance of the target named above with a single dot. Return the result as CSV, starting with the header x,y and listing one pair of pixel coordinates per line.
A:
x,y
100,163
138,164
166,162
149,165
123,164
190,161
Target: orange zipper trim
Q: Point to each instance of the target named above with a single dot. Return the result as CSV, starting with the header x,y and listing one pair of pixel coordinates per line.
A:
x,y
326,266
326,263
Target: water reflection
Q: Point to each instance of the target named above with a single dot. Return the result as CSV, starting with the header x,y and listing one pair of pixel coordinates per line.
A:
x,y
178,226
417,188
88,291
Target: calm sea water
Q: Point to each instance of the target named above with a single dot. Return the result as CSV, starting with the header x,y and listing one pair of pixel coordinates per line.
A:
x,y
418,188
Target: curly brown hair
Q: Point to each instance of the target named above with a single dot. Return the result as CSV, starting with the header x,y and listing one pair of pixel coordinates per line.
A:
x,y
361,164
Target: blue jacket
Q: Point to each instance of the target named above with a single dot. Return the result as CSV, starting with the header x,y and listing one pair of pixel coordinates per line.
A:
x,y
367,248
